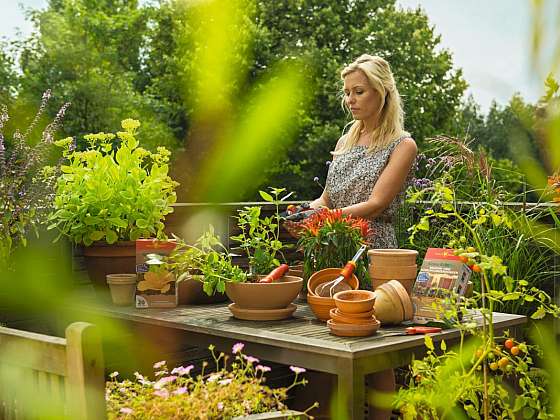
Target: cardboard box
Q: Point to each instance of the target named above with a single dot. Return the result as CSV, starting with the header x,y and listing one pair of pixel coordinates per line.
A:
x,y
442,274
156,287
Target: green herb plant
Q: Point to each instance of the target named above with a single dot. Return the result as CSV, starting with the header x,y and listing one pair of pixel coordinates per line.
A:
x,y
207,257
260,236
114,190
233,389
484,377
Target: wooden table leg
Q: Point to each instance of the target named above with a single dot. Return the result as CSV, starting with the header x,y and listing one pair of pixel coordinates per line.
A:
x,y
351,392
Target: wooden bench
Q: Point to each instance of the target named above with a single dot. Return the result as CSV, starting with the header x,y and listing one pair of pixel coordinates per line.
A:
x,y
50,377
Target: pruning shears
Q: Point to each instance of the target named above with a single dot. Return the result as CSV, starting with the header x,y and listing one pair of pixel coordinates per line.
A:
x,y
414,331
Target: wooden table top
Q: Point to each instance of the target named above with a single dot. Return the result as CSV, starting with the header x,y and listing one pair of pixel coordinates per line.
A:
x,y
303,332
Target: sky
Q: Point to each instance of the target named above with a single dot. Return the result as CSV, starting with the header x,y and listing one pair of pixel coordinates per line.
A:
x,y
489,40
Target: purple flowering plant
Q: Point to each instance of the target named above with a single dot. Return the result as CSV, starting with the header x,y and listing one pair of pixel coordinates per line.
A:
x,y
26,182
236,387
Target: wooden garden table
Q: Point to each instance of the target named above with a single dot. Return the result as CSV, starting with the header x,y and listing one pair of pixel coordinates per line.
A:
x,y
300,341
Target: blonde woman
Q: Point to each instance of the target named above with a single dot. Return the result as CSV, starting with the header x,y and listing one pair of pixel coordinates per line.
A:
x,y
372,162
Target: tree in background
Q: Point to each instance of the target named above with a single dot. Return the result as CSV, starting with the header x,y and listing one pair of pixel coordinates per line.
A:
x,y
115,58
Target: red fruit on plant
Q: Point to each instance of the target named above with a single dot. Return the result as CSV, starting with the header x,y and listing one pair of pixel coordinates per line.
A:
x,y
514,350
508,344
493,366
476,268
464,259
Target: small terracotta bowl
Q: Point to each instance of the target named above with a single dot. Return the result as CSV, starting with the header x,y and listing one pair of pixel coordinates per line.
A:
x,y
354,301
321,306
276,295
353,330
328,274
361,315
341,318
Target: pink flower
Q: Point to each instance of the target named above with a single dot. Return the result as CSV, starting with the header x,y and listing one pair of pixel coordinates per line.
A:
x,y
297,370
182,370
180,391
220,406
159,364
225,381
159,384
263,368
214,377
126,410
251,359
163,393
237,347
114,375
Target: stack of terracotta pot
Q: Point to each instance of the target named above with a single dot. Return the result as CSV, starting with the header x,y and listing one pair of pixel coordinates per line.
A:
x,y
393,264
354,315
392,303
321,306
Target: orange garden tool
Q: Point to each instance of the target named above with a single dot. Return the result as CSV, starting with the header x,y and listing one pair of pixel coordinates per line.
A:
x,y
414,331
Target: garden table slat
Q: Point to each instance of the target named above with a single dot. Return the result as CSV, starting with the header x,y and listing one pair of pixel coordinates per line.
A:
x,y
301,340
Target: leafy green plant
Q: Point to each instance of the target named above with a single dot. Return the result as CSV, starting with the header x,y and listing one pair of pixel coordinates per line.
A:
x,y
233,389
114,190
330,239
26,183
260,236
208,257
466,380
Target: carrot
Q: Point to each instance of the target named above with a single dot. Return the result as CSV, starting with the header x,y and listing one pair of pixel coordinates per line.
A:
x,y
275,274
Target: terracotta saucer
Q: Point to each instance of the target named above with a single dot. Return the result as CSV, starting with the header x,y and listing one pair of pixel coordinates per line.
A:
x,y
352,330
361,315
342,318
262,314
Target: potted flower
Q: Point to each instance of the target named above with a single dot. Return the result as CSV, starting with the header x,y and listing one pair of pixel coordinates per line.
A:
x,y
109,195
206,266
330,239
259,238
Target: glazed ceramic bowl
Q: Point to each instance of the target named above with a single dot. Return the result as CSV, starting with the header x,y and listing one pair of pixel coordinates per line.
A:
x,y
388,257
353,330
276,295
328,274
321,306
354,301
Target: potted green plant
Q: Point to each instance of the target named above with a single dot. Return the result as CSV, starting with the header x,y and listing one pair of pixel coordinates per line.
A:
x,y
206,266
109,195
259,238
330,239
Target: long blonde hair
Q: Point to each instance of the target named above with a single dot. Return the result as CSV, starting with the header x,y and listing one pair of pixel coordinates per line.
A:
x,y
391,114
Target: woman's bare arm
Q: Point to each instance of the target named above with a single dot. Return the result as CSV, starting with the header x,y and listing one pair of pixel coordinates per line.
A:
x,y
389,184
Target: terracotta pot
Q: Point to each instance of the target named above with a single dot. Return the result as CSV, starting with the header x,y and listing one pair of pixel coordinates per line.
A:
x,y
387,257
353,330
404,298
276,295
345,319
190,291
388,309
102,259
408,284
328,274
321,306
390,272
123,288
354,301
361,315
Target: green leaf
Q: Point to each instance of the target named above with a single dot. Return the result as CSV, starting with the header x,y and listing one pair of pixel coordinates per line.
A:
x,y
266,196
539,313
429,342
96,235
142,223
471,411
111,237
442,345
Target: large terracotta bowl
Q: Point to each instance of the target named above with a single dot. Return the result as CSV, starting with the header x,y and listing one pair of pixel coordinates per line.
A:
x,y
276,295
321,306
386,257
354,301
328,274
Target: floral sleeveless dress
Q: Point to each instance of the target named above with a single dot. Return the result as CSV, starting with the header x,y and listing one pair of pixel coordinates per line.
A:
x,y
350,180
